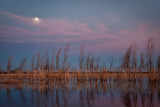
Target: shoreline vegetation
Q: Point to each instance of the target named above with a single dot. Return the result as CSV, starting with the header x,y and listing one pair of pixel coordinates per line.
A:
x,y
45,68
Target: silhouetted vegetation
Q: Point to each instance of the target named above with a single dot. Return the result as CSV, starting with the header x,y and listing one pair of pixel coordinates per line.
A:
x,y
88,63
57,59
158,64
149,54
9,63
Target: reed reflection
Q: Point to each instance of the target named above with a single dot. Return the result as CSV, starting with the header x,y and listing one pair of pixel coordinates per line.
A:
x,y
62,92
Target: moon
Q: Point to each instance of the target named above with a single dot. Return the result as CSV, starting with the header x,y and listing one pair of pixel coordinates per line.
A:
x,y
36,19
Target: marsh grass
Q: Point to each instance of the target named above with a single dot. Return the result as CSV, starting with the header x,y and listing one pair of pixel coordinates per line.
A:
x,y
90,68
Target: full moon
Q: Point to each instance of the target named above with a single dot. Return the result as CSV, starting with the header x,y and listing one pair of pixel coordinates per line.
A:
x,y
36,20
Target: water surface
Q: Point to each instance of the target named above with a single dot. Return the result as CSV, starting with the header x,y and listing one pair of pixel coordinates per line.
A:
x,y
109,92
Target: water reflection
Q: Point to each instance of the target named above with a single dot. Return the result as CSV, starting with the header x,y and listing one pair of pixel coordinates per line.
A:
x,y
84,92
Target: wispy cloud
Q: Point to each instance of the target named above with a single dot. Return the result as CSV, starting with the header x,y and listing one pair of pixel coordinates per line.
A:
x,y
138,30
100,36
53,29
138,33
14,17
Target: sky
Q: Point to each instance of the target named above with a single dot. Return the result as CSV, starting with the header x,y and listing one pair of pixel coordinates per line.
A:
x,y
105,27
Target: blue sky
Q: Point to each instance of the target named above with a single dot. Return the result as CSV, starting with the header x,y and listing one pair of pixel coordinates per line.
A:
x,y
105,27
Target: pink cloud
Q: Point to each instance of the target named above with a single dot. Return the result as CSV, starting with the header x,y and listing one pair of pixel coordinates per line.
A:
x,y
139,34
138,30
64,30
26,20
74,30
10,30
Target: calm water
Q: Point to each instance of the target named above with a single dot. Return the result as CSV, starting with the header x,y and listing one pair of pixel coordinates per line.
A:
x,y
142,92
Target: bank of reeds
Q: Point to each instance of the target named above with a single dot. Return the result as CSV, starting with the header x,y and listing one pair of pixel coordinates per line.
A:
x,y
89,66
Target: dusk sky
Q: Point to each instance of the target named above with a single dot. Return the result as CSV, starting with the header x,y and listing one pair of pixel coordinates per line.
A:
x,y
105,27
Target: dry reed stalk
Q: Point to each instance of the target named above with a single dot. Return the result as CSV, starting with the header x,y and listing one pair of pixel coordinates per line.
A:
x,y
66,50
9,63
81,59
142,63
57,59
111,63
149,54
158,64
38,60
52,63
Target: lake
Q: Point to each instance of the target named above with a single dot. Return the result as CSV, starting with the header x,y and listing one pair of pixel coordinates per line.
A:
x,y
87,92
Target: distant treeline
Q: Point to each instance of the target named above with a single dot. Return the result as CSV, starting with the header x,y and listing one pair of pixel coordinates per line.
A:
x,y
88,63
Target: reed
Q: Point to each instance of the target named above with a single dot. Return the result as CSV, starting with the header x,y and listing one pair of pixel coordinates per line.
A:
x,y
89,66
